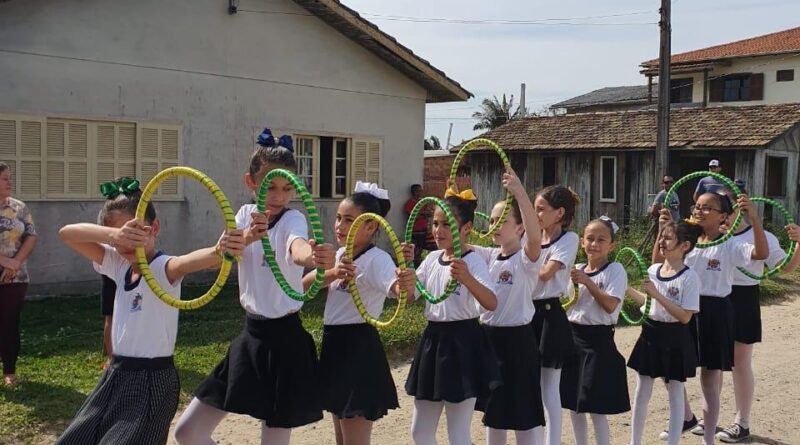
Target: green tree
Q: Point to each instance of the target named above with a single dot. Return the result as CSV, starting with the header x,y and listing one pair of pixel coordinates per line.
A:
x,y
495,113
433,143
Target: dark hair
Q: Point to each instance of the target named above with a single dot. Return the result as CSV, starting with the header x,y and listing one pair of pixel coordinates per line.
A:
x,y
725,204
515,213
370,204
277,156
462,209
3,167
127,203
685,231
558,197
415,187
606,222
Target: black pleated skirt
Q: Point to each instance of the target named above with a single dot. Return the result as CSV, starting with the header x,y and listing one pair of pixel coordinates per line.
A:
x,y
552,329
517,403
270,373
715,333
354,374
664,350
747,314
454,362
596,382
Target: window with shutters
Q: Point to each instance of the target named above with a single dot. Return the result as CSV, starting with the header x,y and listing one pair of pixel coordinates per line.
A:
x,y
737,87
784,75
680,91
68,159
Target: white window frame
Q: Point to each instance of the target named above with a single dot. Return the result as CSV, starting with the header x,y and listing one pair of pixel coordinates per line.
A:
x,y
346,167
602,181
314,191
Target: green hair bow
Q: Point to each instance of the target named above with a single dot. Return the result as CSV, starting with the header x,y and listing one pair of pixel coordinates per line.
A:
x,y
123,185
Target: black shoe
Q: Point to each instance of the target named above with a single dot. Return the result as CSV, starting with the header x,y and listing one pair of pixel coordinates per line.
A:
x,y
733,433
687,425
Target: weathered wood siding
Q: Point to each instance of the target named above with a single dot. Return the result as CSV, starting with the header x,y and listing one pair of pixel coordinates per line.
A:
x,y
639,191
487,175
578,175
789,146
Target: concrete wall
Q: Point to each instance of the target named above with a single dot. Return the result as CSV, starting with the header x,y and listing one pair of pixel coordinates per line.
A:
x,y
223,77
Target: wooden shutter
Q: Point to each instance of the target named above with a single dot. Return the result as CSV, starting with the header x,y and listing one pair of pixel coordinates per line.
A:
x,y
21,146
716,89
115,152
8,145
77,158
366,161
757,86
158,147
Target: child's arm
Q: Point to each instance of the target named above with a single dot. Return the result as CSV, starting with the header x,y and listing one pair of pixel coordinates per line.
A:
x,y
232,243
88,239
485,296
760,246
681,314
606,301
548,271
665,218
406,282
794,234
637,296
311,255
344,269
530,221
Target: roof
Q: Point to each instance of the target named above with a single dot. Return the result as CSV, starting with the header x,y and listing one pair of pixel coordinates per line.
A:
x,y
781,42
609,95
347,21
724,127
436,153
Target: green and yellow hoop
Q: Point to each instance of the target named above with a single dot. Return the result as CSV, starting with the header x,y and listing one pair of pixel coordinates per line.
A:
x,y
475,143
642,266
451,220
316,230
566,304
787,216
399,257
727,183
478,233
230,224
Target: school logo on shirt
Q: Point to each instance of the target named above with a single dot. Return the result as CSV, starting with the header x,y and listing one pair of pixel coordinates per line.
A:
x,y
136,304
506,277
672,293
713,264
343,286
457,290
601,285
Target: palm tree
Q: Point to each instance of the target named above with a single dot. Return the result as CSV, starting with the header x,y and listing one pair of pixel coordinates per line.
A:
x,y
495,113
433,143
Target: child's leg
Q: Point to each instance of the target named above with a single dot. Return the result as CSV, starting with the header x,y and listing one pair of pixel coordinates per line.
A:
x,y
533,436
676,393
197,423
275,436
496,437
644,389
425,420
107,348
743,382
579,428
551,398
710,383
356,430
687,409
337,429
601,433
459,421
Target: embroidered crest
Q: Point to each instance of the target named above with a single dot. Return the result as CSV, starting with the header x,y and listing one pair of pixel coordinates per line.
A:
x,y
506,277
136,304
713,264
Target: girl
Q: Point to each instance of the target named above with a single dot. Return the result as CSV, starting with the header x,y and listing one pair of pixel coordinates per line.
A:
x,y
514,268
596,382
269,371
716,267
454,362
356,382
555,207
664,348
137,396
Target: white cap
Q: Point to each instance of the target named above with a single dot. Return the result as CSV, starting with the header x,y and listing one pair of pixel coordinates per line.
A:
x,y
713,163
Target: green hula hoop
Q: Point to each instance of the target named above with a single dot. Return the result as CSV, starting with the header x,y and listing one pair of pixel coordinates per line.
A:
x,y
483,216
504,158
451,285
230,224
399,257
640,262
787,216
571,302
316,229
725,181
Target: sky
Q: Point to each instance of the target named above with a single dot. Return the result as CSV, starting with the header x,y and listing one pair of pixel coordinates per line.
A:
x,y
574,47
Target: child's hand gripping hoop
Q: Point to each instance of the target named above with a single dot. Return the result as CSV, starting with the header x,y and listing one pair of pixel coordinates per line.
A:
x,y
398,254
789,219
475,143
727,183
316,230
566,304
230,224
451,220
642,266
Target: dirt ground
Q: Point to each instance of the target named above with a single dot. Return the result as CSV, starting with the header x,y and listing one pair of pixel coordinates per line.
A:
x,y
774,419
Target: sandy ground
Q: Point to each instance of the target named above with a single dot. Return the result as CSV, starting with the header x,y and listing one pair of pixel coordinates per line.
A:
x,y
774,419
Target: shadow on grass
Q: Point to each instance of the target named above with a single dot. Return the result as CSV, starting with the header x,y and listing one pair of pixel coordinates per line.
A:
x,y
51,406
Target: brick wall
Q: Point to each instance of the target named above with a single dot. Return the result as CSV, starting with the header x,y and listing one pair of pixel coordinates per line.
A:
x,y
437,170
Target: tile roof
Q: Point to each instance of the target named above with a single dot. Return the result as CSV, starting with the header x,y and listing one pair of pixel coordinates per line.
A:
x,y
747,126
610,95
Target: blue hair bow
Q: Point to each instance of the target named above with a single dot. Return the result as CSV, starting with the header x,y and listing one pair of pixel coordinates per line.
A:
x,y
266,139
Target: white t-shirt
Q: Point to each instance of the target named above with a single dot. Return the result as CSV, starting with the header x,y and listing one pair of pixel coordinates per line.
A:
x,y
563,249
434,273
142,326
682,289
375,275
776,255
611,278
514,279
259,292
716,266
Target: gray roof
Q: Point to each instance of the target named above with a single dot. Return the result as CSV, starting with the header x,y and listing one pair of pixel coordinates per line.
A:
x,y
610,95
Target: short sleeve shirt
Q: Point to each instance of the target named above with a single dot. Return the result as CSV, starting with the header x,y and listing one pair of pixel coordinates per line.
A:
x,y
563,249
683,289
375,275
776,255
707,184
16,223
611,278
716,265
514,277
674,204
434,273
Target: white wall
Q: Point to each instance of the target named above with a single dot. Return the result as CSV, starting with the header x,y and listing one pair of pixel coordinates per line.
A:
x,y
223,77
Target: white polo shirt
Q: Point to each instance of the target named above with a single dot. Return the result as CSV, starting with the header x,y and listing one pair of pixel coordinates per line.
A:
x,y
683,289
611,278
434,273
563,249
375,276
514,277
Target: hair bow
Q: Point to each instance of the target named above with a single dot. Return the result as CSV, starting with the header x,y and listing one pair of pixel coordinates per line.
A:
x,y
466,195
614,226
123,185
266,139
372,189
691,220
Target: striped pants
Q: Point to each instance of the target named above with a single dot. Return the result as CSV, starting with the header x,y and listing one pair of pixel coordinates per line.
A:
x,y
133,403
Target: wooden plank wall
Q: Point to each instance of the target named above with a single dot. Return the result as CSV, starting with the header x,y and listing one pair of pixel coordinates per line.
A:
x,y
577,174
486,176
789,146
639,177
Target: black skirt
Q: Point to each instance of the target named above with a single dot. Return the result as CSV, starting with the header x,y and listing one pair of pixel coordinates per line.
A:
x,y
552,329
270,373
354,373
715,332
454,362
517,403
596,383
747,314
664,350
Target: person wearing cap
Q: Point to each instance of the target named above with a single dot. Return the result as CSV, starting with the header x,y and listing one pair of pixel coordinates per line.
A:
x,y
658,202
709,183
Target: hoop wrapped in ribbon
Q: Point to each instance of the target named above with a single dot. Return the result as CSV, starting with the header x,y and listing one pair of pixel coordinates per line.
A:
x,y
642,267
789,219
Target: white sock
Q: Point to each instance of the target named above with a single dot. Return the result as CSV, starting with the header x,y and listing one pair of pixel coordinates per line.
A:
x,y
601,430
197,423
744,382
459,421
675,391
551,399
644,390
533,436
496,437
579,428
425,420
710,383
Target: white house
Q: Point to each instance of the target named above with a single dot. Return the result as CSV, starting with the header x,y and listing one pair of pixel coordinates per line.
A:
x,y
95,89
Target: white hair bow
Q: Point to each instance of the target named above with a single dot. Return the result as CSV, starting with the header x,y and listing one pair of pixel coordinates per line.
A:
x,y
372,189
614,225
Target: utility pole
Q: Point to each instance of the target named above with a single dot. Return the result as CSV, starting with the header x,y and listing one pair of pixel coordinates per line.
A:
x,y
664,66
523,111
449,132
